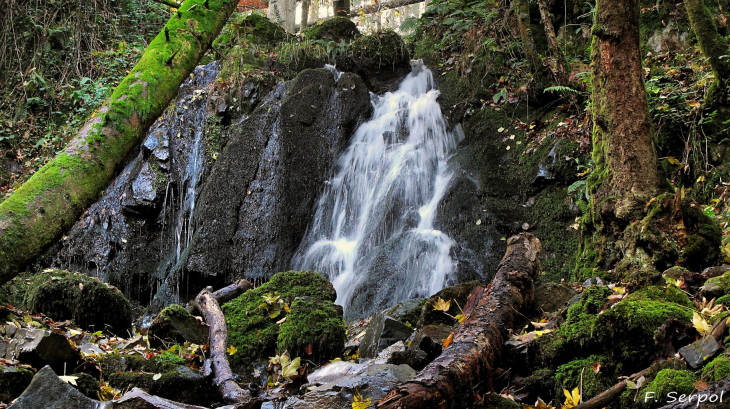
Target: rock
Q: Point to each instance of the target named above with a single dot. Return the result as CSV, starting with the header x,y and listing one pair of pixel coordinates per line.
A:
x,y
550,296
254,26
313,319
335,29
408,311
457,295
381,59
385,355
700,352
426,346
554,168
382,332
47,390
176,324
334,371
716,286
669,38
181,385
593,281
519,353
39,347
13,381
373,381
716,271
139,399
539,383
675,272
64,295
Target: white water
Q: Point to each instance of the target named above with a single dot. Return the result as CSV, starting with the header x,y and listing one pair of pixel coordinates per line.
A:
x,y
384,197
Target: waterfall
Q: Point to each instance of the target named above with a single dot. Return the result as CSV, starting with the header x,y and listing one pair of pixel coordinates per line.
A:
x,y
377,212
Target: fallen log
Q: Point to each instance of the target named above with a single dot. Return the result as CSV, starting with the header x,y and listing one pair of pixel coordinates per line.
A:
x,y
449,380
54,197
222,374
232,291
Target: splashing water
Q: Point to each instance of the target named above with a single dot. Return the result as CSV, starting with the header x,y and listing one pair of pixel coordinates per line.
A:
x,y
383,199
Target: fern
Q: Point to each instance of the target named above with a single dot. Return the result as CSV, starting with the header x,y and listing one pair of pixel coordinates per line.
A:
x,y
560,88
576,185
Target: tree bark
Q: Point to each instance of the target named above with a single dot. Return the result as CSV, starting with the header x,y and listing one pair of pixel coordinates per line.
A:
x,y
449,380
283,12
385,5
342,8
222,374
305,14
522,10
232,291
55,196
559,70
714,47
625,175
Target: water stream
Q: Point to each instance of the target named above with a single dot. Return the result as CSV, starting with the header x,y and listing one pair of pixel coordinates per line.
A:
x,y
376,215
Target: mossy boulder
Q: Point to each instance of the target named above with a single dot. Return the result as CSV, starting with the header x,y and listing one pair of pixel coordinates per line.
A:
x,y
314,324
180,384
717,287
667,380
457,295
176,324
568,376
254,27
313,318
336,29
668,293
87,385
717,369
725,300
408,311
64,295
380,58
13,381
115,363
625,332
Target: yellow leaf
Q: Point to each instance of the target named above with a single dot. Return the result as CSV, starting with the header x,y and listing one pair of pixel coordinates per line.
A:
x,y
232,350
359,402
674,161
700,324
289,369
571,399
442,305
461,318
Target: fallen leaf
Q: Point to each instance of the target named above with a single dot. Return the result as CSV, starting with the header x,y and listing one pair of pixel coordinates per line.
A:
x,y
448,340
157,376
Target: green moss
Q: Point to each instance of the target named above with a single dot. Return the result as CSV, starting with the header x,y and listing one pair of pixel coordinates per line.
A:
x,y
667,380
379,50
668,293
568,376
115,363
66,295
334,29
255,28
168,359
725,300
718,369
312,323
251,330
722,283
300,55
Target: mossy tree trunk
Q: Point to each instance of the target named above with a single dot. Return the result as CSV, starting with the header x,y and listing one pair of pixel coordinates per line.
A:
x,y
714,47
342,8
625,175
55,196
522,10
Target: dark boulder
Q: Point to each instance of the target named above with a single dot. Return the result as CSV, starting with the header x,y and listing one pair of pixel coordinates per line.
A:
x,y
38,347
176,324
381,59
335,29
382,332
13,381
426,346
47,390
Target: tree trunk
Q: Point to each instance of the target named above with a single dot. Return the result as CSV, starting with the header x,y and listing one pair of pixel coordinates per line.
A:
x,y
305,14
53,199
522,10
558,67
342,8
448,381
283,13
222,374
714,47
625,175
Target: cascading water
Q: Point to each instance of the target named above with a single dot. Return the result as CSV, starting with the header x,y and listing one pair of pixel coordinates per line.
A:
x,y
373,224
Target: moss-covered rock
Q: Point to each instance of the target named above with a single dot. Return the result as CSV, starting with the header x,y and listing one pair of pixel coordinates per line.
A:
x,y
334,29
725,300
64,295
256,334
87,385
380,58
312,323
457,295
254,27
668,293
180,384
667,380
717,286
568,376
13,381
718,369
408,311
115,363
176,324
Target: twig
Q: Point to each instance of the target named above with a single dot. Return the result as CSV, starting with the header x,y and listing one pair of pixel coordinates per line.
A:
x,y
169,3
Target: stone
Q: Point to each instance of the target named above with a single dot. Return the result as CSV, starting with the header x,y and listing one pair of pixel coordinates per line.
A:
x,y
181,385
593,281
139,399
39,347
700,352
382,332
13,381
381,59
408,311
175,323
550,296
669,38
457,295
716,271
426,346
334,371
335,29
47,390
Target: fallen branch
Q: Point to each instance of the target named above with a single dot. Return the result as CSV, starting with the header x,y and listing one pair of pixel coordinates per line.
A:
x,y
232,291
222,374
448,381
169,3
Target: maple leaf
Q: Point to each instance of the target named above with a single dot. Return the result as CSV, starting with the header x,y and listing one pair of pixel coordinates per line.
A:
x,y
700,324
232,350
359,402
571,398
442,305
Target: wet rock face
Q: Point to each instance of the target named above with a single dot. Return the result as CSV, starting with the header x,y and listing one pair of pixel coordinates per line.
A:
x,y
210,198
258,201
